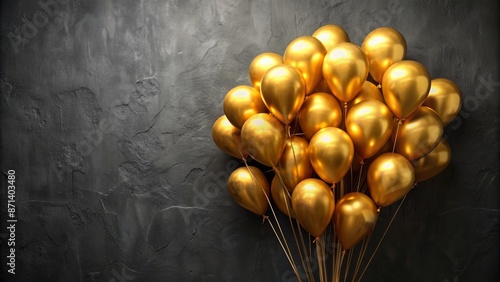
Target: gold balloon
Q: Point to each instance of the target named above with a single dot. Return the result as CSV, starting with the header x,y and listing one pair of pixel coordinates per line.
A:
x,y
283,91
355,216
331,152
320,110
281,197
313,204
434,163
444,98
383,47
227,137
242,102
405,86
331,35
263,137
260,65
306,54
419,134
369,125
369,91
345,69
294,165
249,187
390,178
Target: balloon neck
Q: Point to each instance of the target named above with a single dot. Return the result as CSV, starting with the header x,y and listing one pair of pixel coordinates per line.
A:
x,y
264,218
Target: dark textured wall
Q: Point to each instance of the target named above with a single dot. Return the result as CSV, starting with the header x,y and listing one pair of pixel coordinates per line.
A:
x,y
106,113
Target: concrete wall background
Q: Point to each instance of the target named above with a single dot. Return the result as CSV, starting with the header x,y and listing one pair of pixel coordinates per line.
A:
x,y
106,112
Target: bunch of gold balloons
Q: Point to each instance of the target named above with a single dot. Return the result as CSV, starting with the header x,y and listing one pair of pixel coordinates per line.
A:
x,y
322,110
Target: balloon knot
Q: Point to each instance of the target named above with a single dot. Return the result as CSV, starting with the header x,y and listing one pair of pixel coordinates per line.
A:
x,y
378,210
333,185
400,122
379,86
264,218
343,252
361,162
315,239
345,105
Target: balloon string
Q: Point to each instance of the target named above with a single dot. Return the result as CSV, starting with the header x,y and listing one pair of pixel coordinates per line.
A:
x,y
341,188
334,240
337,276
349,259
360,172
359,259
338,252
293,228
364,185
400,121
308,268
320,260
364,247
345,116
274,215
279,227
295,126
323,243
381,239
287,256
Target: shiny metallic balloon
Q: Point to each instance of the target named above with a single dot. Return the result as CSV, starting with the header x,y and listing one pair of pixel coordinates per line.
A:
x,y
434,163
227,138
249,188
331,152
419,134
390,177
331,35
281,197
383,47
294,165
260,65
345,69
320,110
283,91
405,86
445,98
241,103
355,216
313,204
369,91
306,54
369,124
263,137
